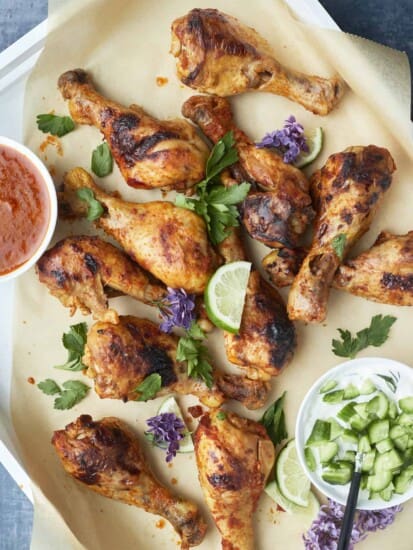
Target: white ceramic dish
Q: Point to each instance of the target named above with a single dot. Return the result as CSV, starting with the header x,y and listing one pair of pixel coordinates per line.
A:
x,y
47,180
313,408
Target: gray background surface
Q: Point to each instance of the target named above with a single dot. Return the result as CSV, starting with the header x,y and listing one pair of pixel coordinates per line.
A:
x,y
387,21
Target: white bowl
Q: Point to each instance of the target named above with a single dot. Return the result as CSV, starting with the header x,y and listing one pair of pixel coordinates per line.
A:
x,y
312,408
51,191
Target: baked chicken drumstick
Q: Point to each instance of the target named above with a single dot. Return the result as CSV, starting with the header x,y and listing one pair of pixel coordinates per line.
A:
x,y
219,55
347,192
149,152
106,456
169,242
234,457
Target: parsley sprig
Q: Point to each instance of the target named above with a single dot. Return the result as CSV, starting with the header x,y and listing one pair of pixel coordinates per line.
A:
x,y
149,387
73,391
74,341
273,421
339,244
192,350
95,209
102,160
374,335
56,125
215,202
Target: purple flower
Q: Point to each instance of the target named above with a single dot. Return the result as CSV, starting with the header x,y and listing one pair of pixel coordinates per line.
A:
x,y
177,309
325,529
166,428
289,141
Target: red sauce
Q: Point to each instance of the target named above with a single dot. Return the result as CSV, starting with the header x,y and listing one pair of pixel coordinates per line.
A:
x,y
24,209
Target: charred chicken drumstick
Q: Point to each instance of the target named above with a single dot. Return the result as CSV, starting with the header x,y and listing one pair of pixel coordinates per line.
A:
x,y
347,192
234,457
149,152
169,242
106,457
217,54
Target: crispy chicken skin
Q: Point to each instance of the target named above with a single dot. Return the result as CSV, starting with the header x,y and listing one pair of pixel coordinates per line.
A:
x,y
149,152
82,271
283,264
169,242
217,54
234,457
106,456
281,213
347,192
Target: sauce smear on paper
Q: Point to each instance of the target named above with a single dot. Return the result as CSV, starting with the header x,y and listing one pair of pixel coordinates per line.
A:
x,y
24,209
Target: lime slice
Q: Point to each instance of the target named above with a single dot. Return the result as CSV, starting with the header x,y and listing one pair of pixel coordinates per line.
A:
x,y
310,511
291,478
225,295
315,144
171,406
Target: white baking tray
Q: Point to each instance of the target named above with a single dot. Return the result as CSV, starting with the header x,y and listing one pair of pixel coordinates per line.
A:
x,y
16,63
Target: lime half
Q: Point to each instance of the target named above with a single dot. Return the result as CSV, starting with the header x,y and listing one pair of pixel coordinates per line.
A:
x,y
291,478
308,512
171,406
225,295
315,144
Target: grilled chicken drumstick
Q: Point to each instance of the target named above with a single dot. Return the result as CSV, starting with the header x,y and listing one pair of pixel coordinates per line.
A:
x,y
217,54
234,457
347,192
106,456
149,152
169,242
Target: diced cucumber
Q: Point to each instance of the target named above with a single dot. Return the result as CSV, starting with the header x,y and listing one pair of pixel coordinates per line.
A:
x,y
327,451
373,495
392,410
349,436
347,412
327,386
364,444
336,429
406,404
350,392
349,456
397,431
320,433
337,474
367,387
310,459
358,423
361,410
405,419
385,445
378,406
333,396
403,480
401,442
378,430
391,460
378,482
363,481
387,492
368,461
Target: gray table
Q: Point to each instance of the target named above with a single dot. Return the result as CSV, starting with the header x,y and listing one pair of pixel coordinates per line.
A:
x,y
386,21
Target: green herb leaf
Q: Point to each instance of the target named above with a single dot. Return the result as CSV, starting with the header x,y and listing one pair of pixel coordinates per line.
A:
x,y
102,160
223,154
55,125
95,209
49,387
149,387
221,415
339,244
273,421
374,335
74,391
192,350
74,341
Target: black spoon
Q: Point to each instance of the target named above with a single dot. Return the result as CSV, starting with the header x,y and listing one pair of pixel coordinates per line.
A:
x,y
348,518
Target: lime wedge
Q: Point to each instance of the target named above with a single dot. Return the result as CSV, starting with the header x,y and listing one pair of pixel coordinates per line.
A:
x,y
225,295
171,406
315,144
310,511
291,478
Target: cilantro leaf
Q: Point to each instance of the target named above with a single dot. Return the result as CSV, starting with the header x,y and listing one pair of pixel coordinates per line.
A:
x,y
273,421
223,154
49,387
74,341
102,160
195,353
74,391
149,387
339,244
55,125
95,209
374,335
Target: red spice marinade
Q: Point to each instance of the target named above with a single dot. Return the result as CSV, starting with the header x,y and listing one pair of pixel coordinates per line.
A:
x,y
24,209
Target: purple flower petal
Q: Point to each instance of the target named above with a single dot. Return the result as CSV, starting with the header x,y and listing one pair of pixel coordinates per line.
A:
x,y
167,428
290,141
177,309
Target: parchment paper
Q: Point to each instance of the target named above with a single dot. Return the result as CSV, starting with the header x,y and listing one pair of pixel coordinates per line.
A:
x,y
125,45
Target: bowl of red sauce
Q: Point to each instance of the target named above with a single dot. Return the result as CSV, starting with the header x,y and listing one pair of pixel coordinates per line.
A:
x,y
28,208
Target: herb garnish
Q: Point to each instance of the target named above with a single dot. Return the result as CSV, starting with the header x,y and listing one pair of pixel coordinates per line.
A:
x,y
339,244
290,141
166,428
374,335
215,202
102,160
177,309
149,387
74,341
391,381
191,349
221,415
273,421
73,391
55,125
95,209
